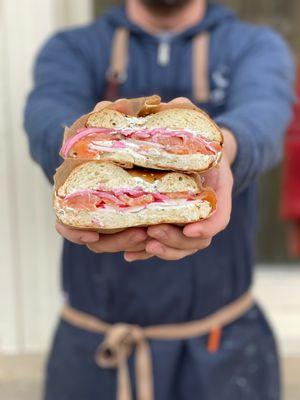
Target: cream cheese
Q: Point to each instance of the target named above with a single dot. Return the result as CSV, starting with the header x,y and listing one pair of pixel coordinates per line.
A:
x,y
134,121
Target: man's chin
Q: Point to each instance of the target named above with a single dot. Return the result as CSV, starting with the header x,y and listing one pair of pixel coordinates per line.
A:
x,y
164,6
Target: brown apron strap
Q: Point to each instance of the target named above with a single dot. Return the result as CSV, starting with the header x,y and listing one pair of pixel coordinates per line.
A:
x,y
117,70
121,339
200,67
220,318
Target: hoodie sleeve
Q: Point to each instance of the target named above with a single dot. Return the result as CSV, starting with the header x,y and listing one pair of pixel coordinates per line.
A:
x,y
63,91
259,105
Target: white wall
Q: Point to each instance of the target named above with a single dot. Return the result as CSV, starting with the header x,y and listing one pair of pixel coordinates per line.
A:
x,y
29,284
277,290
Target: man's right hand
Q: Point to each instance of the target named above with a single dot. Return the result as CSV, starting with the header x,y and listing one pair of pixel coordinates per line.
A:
x,y
129,240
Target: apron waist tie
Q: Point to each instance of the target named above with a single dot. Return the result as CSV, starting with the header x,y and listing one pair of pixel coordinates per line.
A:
x,y
121,338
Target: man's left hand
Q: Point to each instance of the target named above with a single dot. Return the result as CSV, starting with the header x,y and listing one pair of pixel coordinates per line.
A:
x,y
170,242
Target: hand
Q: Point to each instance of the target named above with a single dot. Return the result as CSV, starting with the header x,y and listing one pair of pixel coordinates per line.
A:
x,y
133,239
170,242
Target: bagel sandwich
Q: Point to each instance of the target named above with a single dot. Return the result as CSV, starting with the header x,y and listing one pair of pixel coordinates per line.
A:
x,y
177,137
105,197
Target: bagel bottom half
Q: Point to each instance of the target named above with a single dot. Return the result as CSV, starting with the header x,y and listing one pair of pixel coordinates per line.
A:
x,y
87,196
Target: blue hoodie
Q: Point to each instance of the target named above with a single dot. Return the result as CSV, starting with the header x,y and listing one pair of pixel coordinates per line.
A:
x,y
251,78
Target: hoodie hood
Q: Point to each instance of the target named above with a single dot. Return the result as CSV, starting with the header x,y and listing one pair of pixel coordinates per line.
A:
x,y
215,15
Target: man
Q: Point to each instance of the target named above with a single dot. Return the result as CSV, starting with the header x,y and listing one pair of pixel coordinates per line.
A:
x,y
179,275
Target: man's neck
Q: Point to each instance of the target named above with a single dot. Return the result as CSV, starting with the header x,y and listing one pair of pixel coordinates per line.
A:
x,y
177,21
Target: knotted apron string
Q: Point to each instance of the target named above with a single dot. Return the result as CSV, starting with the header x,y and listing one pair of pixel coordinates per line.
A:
x,y
120,340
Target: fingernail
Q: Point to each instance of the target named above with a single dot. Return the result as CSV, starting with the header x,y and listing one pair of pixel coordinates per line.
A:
x,y
128,258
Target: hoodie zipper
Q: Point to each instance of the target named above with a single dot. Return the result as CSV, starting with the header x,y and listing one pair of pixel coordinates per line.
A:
x,y
163,52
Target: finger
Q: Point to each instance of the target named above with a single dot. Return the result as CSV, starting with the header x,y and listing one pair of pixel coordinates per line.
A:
x,y
135,256
210,178
118,241
172,236
102,104
180,100
139,247
216,223
166,253
75,235
213,225
123,105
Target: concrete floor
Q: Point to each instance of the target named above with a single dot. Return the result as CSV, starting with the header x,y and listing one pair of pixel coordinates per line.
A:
x,y
21,377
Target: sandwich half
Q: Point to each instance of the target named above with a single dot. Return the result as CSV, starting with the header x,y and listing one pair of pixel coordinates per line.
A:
x,y
178,137
105,197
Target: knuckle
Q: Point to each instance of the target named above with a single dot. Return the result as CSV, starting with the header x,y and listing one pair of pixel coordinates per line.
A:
x,y
136,238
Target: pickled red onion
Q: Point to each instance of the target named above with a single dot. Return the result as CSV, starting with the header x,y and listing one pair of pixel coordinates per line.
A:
x,y
160,197
138,191
111,197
